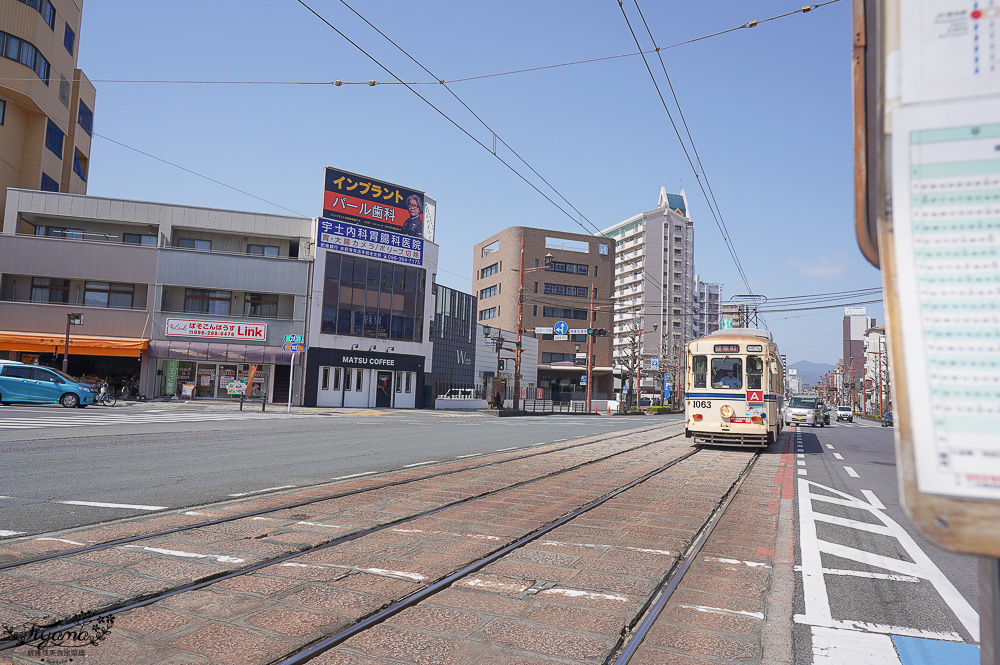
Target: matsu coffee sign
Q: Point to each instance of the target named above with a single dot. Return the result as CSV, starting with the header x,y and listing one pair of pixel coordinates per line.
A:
x,y
216,329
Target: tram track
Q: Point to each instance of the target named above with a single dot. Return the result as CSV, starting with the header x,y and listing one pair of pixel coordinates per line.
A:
x,y
118,542
148,599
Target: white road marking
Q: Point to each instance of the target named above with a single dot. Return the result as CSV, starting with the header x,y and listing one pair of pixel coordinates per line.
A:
x,y
865,573
496,587
577,593
719,610
189,555
329,526
751,564
817,601
467,456
851,472
801,462
872,499
4,533
846,647
266,489
802,472
62,540
355,475
801,456
503,450
99,504
838,456
558,440
410,466
830,446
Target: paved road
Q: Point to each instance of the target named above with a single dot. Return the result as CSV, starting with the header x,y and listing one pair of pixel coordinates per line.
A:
x,y
144,458
868,582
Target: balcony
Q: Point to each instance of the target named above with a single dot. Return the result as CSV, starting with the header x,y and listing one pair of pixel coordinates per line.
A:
x,y
77,259
232,272
37,317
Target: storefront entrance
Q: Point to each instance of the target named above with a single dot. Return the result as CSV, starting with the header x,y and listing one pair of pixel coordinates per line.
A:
x,y
383,393
211,380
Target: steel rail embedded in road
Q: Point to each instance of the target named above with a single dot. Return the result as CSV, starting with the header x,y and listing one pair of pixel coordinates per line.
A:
x,y
82,617
297,504
674,576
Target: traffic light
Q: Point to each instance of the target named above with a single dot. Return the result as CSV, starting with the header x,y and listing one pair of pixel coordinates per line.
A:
x,y
591,331
599,332
503,365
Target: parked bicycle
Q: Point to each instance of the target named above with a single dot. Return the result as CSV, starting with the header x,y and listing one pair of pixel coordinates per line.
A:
x,y
106,396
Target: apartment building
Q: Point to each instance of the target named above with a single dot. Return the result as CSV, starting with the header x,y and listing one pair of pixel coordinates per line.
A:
x,y
46,103
654,289
565,275
707,313
185,299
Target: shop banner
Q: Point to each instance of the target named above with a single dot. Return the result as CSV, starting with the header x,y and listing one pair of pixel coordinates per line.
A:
x,y
362,200
216,329
170,380
354,239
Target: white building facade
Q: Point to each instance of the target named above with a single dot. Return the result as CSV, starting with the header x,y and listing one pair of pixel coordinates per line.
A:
x,y
654,289
707,307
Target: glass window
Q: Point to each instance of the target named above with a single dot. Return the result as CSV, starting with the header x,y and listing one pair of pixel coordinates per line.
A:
x,y
50,290
54,138
727,373
69,39
399,382
206,301
18,371
699,367
63,232
28,53
139,239
105,294
324,383
49,184
3,110
194,243
755,372
64,91
347,380
359,379
409,378
80,165
85,119
263,250
336,377
261,305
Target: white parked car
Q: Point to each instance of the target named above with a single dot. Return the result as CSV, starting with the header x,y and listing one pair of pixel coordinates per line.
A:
x,y
845,413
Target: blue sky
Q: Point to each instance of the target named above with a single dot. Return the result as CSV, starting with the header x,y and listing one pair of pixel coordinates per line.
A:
x,y
769,108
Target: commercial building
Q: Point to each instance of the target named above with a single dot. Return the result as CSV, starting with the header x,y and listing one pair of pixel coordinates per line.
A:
x,y
565,273
369,342
46,103
707,307
180,297
856,323
877,389
654,290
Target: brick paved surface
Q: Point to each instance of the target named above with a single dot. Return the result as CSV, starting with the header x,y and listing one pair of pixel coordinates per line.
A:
x,y
567,597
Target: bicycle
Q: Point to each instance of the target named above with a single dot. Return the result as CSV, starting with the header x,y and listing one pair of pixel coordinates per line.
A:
x,y
106,396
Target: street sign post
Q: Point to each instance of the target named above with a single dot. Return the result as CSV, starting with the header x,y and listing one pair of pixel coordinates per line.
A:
x,y
293,339
294,348
560,328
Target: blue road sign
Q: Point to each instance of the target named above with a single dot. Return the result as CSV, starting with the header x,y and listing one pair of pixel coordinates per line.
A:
x,y
560,328
293,339
293,347
655,362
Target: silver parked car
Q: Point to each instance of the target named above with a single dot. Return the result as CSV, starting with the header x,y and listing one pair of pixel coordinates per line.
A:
x,y
805,411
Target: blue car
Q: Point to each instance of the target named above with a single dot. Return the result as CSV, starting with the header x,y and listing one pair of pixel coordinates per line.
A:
x,y
41,385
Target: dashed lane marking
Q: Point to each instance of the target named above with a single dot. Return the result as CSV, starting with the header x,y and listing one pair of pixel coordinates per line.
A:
x,y
851,472
101,504
266,489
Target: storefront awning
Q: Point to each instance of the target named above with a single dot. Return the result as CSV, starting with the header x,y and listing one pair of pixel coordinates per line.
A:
x,y
80,345
219,352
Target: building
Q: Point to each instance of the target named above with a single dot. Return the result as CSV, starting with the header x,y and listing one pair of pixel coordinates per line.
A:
x,y
735,315
369,334
455,339
565,273
707,313
795,386
46,103
856,322
654,290
181,297
877,393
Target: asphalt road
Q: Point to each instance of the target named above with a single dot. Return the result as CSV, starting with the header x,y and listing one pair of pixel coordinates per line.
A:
x,y
152,457
874,572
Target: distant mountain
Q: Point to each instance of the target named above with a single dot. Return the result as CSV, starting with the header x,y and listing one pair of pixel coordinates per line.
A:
x,y
811,373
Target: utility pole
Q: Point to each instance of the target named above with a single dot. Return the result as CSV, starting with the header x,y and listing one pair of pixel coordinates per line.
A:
x,y
520,314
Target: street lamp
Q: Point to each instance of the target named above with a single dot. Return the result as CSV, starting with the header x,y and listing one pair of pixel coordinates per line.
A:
x,y
499,340
74,319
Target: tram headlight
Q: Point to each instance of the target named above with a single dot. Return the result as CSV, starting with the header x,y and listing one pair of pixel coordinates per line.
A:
x,y
726,411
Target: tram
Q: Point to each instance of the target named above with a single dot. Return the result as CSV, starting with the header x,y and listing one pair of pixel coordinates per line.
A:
x,y
734,388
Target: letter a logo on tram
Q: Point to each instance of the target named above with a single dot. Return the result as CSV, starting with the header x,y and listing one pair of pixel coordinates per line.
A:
x,y
755,396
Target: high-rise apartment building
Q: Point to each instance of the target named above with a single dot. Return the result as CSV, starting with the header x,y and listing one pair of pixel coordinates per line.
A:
x,y
654,289
707,307
565,273
46,103
856,325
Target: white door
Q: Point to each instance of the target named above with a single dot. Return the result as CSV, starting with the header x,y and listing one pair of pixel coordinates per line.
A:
x,y
329,392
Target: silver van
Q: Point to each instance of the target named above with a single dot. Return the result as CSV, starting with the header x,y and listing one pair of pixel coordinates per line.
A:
x,y
805,411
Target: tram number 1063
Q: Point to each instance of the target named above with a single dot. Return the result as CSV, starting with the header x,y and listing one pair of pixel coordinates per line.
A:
x,y
701,404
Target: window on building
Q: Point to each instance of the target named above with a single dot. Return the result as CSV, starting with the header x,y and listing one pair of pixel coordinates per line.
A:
x,y
536,287
409,379
49,289
677,227
564,290
108,294
48,184
490,313
534,310
677,312
207,301
677,250
677,275
85,118
564,313
44,7
677,299
677,324
336,377
347,379
69,39
64,91
359,379
677,287
324,382
488,293
80,165
194,243
3,110
139,239
676,239
54,138
263,305
263,250
489,270
573,268
677,263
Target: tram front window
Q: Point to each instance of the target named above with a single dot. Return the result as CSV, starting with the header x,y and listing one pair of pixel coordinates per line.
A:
x,y
699,367
755,372
727,373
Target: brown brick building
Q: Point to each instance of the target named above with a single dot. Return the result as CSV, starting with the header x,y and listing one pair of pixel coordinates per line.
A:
x,y
558,291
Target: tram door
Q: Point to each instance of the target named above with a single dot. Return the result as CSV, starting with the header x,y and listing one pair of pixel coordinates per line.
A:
x,y
383,389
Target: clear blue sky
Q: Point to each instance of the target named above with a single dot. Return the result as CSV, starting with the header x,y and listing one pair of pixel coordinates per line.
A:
x,y
769,108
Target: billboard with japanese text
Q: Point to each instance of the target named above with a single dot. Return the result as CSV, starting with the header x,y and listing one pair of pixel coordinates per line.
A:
x,y
358,199
363,241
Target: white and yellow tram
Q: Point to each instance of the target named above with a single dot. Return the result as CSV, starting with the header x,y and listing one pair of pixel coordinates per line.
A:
x,y
734,388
